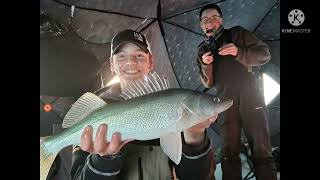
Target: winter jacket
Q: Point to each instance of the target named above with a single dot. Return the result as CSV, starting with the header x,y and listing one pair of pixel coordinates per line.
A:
x,y
251,52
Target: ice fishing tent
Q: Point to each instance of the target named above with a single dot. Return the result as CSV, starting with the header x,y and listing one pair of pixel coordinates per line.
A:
x,y
81,32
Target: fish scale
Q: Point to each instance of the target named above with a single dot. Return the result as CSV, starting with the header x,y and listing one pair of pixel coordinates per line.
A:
x,y
122,117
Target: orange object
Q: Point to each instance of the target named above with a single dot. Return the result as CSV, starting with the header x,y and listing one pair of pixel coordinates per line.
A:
x,y
47,107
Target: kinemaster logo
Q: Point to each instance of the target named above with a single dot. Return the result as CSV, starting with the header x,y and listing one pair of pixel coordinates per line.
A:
x,y
296,18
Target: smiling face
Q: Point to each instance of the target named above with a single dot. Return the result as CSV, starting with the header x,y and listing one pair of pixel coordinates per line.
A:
x,y
210,21
130,63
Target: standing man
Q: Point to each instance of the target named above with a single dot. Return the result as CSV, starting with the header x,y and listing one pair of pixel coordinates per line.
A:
x,y
225,60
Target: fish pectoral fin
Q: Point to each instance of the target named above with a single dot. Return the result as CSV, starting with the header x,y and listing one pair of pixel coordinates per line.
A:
x,y
171,145
85,105
184,111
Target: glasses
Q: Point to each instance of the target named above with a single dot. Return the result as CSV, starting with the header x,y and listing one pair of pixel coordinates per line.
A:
x,y
207,20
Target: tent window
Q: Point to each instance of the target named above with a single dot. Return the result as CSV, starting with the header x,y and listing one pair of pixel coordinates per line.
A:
x,y
271,88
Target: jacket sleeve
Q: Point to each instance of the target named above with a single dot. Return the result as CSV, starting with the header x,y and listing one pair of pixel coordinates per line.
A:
x,y
206,73
197,162
87,166
251,50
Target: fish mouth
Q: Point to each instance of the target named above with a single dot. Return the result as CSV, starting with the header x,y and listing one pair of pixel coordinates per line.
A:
x,y
223,103
227,103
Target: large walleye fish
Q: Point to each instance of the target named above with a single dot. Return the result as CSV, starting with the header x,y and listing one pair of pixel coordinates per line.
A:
x,y
151,110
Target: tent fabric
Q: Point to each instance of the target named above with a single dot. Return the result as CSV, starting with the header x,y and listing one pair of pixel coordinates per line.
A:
x,y
172,27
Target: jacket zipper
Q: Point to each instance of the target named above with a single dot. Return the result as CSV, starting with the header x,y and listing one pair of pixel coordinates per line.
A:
x,y
140,169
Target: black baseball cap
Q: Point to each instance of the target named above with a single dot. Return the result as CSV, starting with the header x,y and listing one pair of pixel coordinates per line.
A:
x,y
129,36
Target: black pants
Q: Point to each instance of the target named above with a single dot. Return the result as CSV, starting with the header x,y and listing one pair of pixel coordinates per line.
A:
x,y
248,112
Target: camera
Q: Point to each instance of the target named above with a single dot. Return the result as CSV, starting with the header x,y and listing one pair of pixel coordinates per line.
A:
x,y
212,43
209,45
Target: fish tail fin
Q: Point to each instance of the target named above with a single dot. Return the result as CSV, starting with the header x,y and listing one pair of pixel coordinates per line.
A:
x,y
46,160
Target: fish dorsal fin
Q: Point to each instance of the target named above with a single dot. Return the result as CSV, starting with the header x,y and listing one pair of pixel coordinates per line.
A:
x,y
150,84
85,105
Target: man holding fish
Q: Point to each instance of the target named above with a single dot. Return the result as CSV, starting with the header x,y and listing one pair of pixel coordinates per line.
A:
x,y
97,158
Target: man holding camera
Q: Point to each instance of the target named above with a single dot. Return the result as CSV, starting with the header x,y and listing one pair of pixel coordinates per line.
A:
x,y
225,59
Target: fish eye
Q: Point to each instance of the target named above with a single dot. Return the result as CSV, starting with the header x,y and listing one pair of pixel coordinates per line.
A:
x,y
216,99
